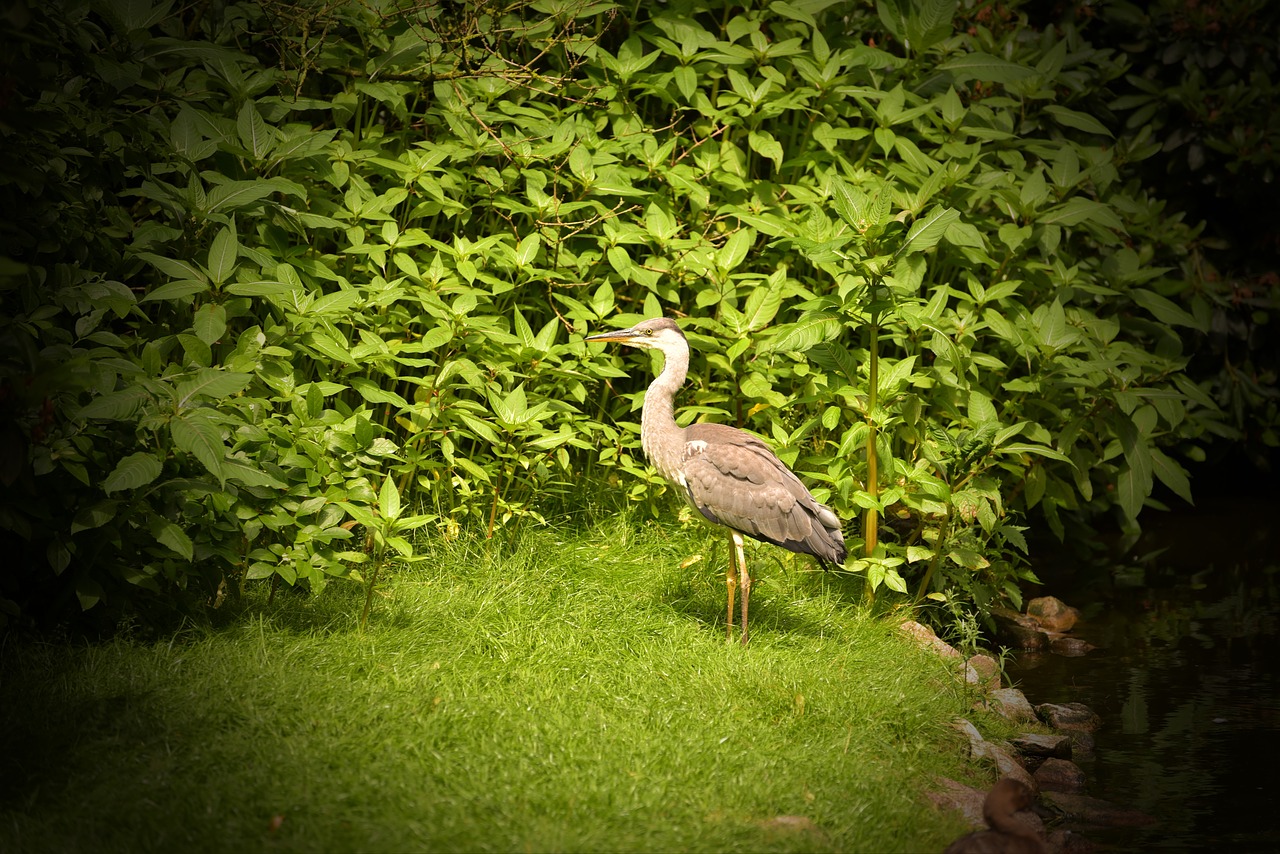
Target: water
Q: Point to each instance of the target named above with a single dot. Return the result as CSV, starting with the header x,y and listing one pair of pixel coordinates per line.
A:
x,y
1185,678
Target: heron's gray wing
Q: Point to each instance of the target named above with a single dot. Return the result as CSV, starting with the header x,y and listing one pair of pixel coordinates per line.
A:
x,y
734,480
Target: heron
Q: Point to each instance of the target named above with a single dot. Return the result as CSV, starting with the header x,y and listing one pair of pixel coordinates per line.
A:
x,y
730,477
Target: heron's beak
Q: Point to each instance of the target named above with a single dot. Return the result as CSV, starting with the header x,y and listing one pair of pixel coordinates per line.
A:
x,y
623,335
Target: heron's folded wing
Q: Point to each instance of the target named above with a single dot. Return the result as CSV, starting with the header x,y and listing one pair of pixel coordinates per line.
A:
x,y
733,479
740,487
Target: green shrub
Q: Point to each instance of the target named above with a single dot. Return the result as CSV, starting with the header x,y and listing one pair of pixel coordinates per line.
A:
x,y
280,263
1203,88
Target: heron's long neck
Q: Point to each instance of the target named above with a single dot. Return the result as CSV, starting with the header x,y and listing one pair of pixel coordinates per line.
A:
x,y
662,438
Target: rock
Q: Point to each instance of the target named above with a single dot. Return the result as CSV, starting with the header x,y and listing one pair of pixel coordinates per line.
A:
x,y
1052,614
1013,704
1076,716
1019,631
1034,744
925,636
1059,775
983,671
1070,647
977,745
1006,763
1013,826
1009,766
1096,811
966,800
1082,743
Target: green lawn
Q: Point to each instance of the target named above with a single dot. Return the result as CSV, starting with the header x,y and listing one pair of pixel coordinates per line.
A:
x,y
573,694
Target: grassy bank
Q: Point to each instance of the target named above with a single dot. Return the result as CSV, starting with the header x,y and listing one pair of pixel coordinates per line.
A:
x,y
572,693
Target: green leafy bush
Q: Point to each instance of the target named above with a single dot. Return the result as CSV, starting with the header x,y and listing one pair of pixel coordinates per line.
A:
x,y
1202,93
281,263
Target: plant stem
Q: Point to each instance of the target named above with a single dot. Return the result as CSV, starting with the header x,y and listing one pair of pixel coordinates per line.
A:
x,y
938,548
373,581
870,527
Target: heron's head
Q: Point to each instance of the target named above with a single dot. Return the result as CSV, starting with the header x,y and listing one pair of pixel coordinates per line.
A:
x,y
660,333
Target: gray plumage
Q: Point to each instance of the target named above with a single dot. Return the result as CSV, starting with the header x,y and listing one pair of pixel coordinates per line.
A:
x,y
729,476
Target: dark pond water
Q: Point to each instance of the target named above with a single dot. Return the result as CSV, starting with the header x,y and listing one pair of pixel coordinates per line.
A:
x,y
1185,677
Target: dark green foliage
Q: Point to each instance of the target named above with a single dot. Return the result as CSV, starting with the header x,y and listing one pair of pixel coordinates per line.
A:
x,y
279,263
1202,96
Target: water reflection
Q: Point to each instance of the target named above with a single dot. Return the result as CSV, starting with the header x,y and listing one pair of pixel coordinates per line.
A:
x,y
1185,679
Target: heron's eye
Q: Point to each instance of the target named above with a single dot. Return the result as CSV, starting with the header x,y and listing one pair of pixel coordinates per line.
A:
x,y
648,332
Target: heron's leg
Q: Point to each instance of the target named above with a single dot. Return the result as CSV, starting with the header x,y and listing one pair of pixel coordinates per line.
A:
x,y
744,580
731,581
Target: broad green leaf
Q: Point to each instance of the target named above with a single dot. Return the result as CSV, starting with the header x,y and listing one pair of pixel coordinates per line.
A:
x,y
255,135
389,499
235,195
172,267
1027,448
483,429
926,231
981,409
334,303
835,356
511,408
893,17
850,204
1134,482
223,254
602,301
1131,492
197,436
131,472
239,471
952,108
211,383
735,249
968,558
88,591
619,260
985,67
261,288
527,249
1165,310
117,405
894,374
928,23
374,393
813,329
894,581
1077,210
964,234
754,385
686,80
1171,475
1077,120
169,534
1053,330
210,322
176,290
95,515
764,144
580,164
764,301
325,345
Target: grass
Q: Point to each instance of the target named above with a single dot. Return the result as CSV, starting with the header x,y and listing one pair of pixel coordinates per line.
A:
x,y
573,693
